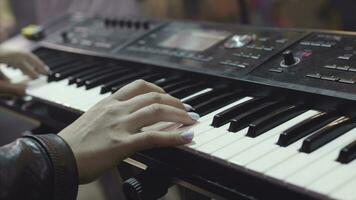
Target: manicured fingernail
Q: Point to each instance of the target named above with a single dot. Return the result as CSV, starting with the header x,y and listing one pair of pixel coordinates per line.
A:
x,y
194,116
187,135
187,107
47,69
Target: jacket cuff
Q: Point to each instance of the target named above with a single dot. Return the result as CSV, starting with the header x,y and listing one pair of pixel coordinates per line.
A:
x,y
64,165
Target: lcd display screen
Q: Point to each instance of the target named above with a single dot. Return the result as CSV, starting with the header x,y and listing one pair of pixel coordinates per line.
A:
x,y
194,40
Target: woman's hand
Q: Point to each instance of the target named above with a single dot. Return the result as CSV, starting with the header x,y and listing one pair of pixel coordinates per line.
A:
x,y
111,130
27,62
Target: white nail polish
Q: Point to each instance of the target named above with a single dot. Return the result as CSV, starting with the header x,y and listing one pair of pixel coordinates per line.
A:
x,y
194,116
187,107
187,135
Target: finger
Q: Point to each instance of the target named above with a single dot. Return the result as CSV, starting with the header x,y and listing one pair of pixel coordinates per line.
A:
x,y
150,98
136,88
13,89
159,113
28,70
20,61
148,140
36,63
4,77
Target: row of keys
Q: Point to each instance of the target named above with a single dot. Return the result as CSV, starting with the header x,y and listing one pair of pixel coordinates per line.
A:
x,y
278,138
126,23
317,44
234,63
262,47
247,55
341,68
107,77
300,146
330,78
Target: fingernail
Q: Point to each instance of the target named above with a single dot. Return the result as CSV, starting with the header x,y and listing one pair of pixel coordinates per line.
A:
x,y
47,68
187,135
194,116
187,107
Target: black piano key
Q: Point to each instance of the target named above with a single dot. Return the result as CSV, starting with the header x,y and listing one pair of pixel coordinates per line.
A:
x,y
49,56
152,77
109,86
188,90
66,66
274,119
59,61
81,80
242,120
65,73
226,115
207,95
52,60
145,76
304,128
167,80
348,153
73,78
177,85
42,53
326,134
53,73
99,80
217,102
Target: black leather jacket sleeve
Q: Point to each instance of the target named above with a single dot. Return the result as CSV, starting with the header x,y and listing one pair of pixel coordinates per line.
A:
x,y
38,167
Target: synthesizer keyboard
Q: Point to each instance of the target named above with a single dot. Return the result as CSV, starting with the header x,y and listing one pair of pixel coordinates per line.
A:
x,y
277,106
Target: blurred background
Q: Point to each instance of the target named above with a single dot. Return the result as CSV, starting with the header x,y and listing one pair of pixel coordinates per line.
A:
x,y
319,14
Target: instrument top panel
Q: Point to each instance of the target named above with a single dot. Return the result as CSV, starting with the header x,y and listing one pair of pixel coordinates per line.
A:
x,y
101,34
321,60
316,62
218,49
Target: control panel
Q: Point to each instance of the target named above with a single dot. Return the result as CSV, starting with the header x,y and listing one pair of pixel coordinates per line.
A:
x,y
102,34
321,60
318,62
220,49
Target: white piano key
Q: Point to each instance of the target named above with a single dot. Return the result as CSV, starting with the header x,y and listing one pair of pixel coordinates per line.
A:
x,y
83,99
276,156
233,148
208,136
265,143
15,75
312,172
196,94
300,160
346,191
342,174
220,143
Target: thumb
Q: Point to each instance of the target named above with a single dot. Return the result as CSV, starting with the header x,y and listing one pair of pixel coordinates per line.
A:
x,y
153,139
14,89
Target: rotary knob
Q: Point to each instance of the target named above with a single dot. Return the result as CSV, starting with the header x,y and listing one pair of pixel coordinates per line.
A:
x,y
65,37
149,185
146,25
288,58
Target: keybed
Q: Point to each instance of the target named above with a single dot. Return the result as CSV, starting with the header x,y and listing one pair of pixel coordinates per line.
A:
x,y
286,140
